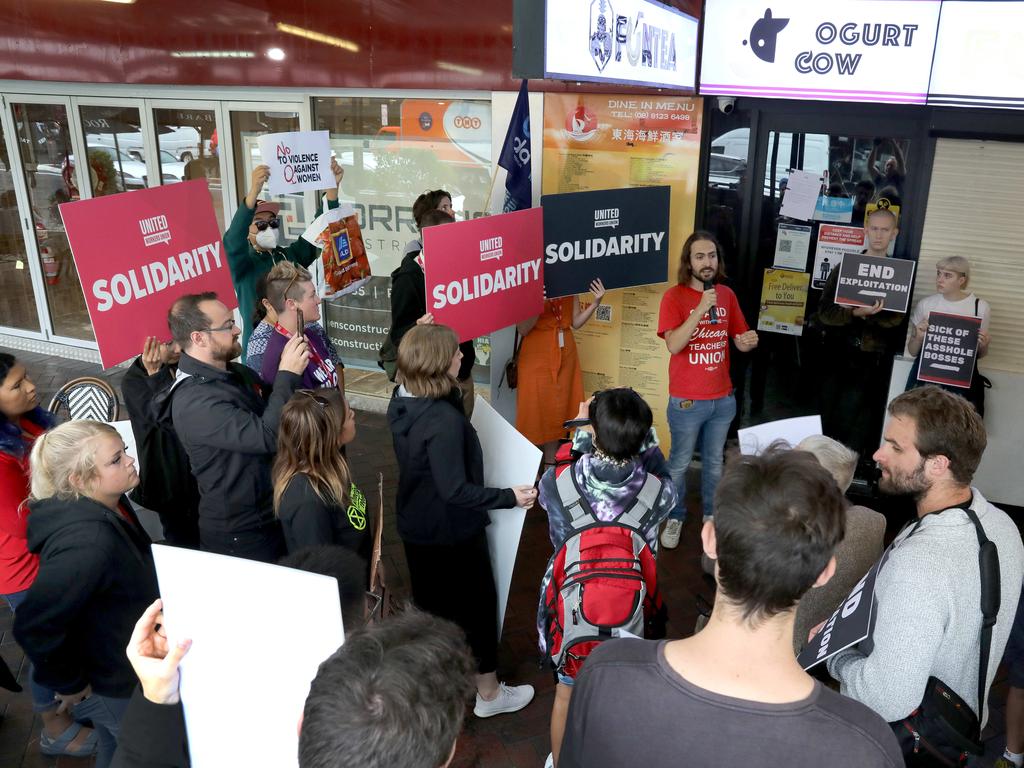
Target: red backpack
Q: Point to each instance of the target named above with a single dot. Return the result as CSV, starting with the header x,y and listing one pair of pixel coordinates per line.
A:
x,y
602,582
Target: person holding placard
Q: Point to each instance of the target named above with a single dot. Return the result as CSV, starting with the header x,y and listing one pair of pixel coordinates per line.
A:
x,y
409,298
96,574
550,386
952,276
253,242
442,504
314,495
944,601
290,291
859,345
697,319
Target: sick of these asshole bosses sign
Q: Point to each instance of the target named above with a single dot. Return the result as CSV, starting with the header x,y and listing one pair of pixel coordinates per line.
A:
x,y
618,235
950,349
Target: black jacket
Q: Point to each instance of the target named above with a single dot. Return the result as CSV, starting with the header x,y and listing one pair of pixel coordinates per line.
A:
x,y
96,577
166,484
228,425
409,304
441,493
152,735
309,521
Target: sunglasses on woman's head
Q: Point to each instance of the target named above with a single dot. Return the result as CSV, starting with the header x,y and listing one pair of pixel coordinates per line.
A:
x,y
273,223
321,401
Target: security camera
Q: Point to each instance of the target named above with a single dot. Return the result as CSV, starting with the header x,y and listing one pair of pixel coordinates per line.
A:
x,y
726,104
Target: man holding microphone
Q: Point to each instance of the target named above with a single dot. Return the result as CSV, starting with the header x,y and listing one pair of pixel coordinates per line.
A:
x,y
698,316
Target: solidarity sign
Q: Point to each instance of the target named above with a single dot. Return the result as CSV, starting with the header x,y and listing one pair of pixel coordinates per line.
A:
x,y
485,274
136,253
618,235
299,161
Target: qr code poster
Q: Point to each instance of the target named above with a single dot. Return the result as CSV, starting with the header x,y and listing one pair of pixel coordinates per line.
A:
x,y
603,313
792,246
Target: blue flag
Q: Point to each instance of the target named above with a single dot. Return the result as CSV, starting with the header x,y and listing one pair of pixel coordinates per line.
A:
x,y
515,156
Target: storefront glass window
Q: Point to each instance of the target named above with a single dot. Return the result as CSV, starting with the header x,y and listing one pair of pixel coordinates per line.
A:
x,y
44,142
393,150
187,139
15,279
113,141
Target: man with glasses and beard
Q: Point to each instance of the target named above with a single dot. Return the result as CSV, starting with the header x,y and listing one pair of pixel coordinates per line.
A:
x,y
928,590
226,418
253,242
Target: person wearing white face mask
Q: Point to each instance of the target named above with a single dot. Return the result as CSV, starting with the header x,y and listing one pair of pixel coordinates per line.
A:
x,y
253,242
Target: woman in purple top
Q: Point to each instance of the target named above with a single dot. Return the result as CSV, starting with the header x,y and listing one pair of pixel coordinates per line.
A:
x,y
292,295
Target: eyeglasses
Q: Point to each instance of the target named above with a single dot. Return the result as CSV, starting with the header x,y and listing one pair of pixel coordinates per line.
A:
x,y
321,401
228,326
262,224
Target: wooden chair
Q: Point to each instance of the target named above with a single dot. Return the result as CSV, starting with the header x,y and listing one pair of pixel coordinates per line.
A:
x,y
85,398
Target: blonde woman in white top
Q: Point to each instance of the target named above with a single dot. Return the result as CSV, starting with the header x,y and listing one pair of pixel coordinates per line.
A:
x,y
952,276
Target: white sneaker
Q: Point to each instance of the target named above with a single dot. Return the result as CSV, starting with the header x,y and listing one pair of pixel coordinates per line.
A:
x,y
670,536
550,762
510,698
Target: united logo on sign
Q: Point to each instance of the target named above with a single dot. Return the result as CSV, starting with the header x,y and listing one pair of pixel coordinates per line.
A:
x,y
600,36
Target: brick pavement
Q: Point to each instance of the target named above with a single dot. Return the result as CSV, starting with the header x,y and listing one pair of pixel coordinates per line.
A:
x,y
510,741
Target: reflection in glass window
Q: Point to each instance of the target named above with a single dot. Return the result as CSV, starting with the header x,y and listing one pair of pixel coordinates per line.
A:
x,y
15,279
187,139
45,145
392,151
114,143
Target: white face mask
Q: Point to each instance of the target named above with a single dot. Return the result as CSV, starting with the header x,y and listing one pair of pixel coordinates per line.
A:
x,y
267,239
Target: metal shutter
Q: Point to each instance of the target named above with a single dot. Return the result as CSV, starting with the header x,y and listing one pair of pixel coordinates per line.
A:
x,y
975,210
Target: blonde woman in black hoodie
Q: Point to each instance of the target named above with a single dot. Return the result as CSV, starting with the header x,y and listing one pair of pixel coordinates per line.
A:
x,y
442,504
95,578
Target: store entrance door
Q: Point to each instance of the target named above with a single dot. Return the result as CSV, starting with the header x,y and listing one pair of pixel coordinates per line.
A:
x,y
860,161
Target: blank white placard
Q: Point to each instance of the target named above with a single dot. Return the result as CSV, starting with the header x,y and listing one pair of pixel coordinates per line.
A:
x,y
509,459
259,633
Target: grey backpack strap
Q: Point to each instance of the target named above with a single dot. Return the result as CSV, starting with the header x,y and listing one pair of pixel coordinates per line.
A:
x,y
575,506
638,515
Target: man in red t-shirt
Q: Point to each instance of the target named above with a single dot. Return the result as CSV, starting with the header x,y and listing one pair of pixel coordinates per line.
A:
x,y
697,318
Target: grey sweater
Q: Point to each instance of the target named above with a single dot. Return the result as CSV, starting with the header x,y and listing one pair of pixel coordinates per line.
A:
x,y
928,613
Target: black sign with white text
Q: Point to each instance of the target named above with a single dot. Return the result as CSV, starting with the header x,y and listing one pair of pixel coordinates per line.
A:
x,y
864,280
950,349
618,235
849,625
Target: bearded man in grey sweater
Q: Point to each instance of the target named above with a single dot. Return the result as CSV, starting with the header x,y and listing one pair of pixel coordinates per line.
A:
x,y
928,592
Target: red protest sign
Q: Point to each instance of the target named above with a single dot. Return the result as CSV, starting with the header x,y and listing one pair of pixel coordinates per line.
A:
x,y
487,273
136,253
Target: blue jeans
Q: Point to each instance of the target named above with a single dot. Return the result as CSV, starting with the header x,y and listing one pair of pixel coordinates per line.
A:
x,y
105,712
42,698
707,421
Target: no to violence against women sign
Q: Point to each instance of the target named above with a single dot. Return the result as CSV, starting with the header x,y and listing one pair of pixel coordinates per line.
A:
x,y
136,253
298,161
485,274
618,235
950,349
864,279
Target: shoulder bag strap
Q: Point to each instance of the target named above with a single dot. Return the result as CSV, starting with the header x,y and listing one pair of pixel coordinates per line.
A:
x,y
988,562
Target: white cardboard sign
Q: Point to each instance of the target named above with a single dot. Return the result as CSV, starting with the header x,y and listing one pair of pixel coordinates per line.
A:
x,y
755,440
259,633
509,459
299,161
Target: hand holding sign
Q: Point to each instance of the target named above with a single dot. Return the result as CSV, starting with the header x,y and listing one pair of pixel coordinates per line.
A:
x,y
872,309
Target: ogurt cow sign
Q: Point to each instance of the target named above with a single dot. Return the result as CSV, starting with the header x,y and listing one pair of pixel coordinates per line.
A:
x,y
485,274
136,253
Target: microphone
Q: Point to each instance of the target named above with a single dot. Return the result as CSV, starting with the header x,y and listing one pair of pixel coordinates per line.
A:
x,y
713,313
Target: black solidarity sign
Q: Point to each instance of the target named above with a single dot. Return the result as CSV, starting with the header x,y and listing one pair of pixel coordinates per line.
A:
x,y
618,235
950,349
864,279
